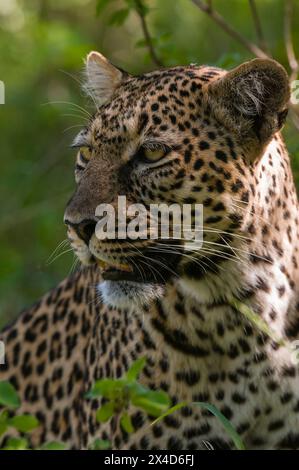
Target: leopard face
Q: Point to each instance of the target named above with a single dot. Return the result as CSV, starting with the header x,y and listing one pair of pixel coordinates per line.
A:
x,y
185,135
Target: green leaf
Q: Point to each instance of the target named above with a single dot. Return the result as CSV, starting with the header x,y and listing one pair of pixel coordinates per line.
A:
x,y
16,443
3,416
3,428
101,5
100,444
8,395
135,369
105,412
152,402
136,389
169,412
108,388
53,445
141,43
255,319
119,17
232,433
126,423
139,6
24,423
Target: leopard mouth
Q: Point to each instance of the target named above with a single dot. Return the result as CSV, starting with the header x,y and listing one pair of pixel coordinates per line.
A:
x,y
116,272
150,267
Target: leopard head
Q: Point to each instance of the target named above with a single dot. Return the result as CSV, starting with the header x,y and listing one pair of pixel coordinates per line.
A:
x,y
188,135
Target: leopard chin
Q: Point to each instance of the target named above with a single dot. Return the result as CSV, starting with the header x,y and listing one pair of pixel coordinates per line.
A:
x,y
128,294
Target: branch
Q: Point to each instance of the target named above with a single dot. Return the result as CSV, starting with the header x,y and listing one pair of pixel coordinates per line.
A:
x,y
146,33
293,62
258,26
257,51
215,16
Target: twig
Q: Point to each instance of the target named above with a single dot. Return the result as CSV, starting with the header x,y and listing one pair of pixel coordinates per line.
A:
x,y
253,48
293,62
258,26
215,16
146,33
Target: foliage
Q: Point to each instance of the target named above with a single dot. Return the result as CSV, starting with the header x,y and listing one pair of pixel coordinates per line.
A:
x,y
122,393
24,423
120,15
230,430
119,395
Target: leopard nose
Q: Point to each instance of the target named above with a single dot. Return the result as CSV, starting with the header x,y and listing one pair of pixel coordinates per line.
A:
x,y
84,229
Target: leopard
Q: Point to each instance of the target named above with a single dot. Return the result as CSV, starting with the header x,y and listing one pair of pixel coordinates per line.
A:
x,y
216,323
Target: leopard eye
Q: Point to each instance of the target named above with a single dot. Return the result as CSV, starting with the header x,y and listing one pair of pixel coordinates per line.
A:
x,y
153,155
82,159
83,156
85,153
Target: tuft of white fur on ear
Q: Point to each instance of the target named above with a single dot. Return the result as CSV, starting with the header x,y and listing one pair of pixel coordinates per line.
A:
x,y
102,78
249,95
259,85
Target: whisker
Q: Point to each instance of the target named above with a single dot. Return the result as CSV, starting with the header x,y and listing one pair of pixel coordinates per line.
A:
x,y
69,103
132,260
76,116
63,243
59,255
71,127
184,255
245,209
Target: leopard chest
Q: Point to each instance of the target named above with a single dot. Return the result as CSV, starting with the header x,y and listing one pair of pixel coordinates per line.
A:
x,y
220,362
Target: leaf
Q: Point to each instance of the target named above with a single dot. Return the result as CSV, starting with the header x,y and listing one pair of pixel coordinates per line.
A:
x,y
101,5
3,428
100,444
119,17
126,423
138,5
8,395
153,402
141,43
24,423
235,437
3,416
16,443
53,445
108,388
135,369
169,412
136,389
105,412
256,320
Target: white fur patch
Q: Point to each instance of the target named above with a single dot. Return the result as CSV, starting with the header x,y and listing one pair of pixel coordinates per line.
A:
x,y
125,294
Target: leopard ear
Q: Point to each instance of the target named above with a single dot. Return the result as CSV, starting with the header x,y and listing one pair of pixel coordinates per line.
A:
x,y
252,99
102,78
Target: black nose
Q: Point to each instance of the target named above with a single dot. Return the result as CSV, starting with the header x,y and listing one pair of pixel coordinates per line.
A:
x,y
85,229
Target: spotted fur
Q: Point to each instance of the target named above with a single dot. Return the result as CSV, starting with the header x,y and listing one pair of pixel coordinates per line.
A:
x,y
218,133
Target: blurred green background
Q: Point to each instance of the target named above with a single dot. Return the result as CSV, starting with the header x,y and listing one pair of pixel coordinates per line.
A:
x,y
42,46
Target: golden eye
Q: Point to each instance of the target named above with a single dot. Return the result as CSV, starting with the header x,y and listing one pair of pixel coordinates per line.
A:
x,y
84,154
154,155
85,151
